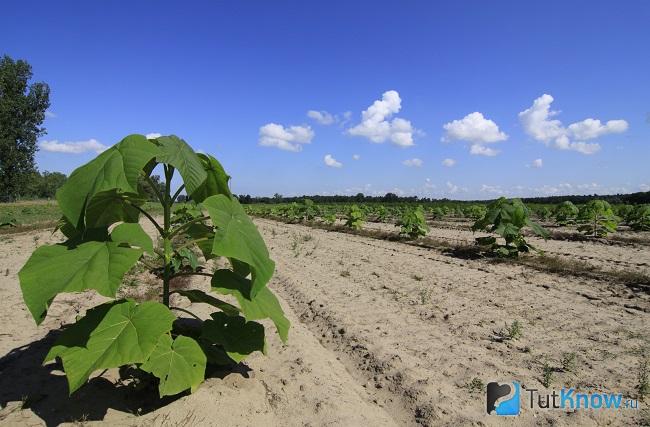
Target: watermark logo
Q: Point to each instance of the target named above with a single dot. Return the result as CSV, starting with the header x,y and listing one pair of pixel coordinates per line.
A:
x,y
569,399
503,398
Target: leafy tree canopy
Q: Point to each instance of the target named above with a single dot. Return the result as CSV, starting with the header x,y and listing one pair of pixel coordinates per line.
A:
x,y
22,111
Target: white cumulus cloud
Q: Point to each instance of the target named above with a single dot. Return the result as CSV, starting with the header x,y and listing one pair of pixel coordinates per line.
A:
x,y
537,163
537,122
290,138
356,157
476,129
492,189
73,147
153,135
322,117
415,162
378,128
482,150
453,188
332,162
449,162
593,128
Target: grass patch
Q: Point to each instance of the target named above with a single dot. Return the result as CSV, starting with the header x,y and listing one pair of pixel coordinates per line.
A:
x,y
568,362
643,385
475,386
41,214
547,375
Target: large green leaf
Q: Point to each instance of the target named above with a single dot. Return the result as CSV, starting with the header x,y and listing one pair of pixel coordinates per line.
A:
x,y
179,363
238,337
109,336
538,229
198,296
110,176
59,268
176,152
134,235
237,237
76,236
108,207
264,305
216,182
199,231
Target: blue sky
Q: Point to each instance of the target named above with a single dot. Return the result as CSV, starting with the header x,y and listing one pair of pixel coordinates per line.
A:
x,y
232,78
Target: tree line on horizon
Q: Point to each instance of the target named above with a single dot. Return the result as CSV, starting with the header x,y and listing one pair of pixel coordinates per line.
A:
x,y
632,199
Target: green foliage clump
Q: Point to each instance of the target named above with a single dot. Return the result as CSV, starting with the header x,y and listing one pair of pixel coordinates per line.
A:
x,y
623,211
355,217
8,220
22,112
475,211
597,219
150,186
101,204
413,223
438,213
382,214
507,218
639,218
566,213
291,212
308,210
544,213
329,218
547,374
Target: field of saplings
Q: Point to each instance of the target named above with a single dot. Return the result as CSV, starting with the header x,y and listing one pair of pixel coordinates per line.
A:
x,y
399,313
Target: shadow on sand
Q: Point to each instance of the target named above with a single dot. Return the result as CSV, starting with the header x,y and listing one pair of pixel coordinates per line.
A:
x,y
44,389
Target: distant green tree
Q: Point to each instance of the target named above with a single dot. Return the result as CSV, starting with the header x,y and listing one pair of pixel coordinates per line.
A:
x,y
22,112
151,187
391,197
48,183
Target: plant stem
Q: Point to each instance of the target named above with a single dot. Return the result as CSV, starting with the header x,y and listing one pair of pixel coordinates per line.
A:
x,y
167,242
186,311
181,227
177,193
149,217
192,273
190,243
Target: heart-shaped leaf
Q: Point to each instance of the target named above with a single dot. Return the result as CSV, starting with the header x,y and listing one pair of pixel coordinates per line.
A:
x,y
176,152
179,363
238,337
59,268
237,237
108,177
110,335
264,305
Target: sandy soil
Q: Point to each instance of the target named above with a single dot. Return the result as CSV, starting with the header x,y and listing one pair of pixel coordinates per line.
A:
x,y
382,334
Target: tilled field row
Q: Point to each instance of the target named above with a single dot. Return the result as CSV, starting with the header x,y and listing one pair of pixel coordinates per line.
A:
x,y
416,327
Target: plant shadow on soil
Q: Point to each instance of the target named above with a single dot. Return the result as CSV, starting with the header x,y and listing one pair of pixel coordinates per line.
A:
x,y
44,389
